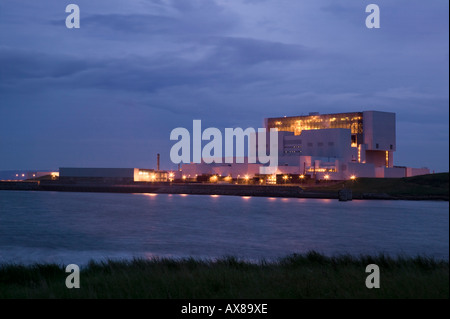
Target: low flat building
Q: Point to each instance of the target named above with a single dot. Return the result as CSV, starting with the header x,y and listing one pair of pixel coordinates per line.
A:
x,y
111,175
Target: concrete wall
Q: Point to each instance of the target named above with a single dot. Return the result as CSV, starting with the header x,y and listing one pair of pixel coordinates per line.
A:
x,y
295,170
395,172
332,143
289,160
410,171
359,170
377,158
96,172
379,128
379,172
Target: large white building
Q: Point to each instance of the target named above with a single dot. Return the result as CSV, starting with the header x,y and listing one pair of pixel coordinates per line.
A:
x,y
339,146
326,146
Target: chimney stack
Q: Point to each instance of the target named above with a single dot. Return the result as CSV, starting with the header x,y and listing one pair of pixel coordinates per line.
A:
x,y
157,162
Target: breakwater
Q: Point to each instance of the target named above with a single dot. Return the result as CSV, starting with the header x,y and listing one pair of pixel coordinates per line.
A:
x,y
289,191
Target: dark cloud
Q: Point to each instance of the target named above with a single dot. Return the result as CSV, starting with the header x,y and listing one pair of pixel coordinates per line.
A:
x,y
23,65
252,51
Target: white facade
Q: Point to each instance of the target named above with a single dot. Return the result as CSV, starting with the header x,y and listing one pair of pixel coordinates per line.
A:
x,y
330,146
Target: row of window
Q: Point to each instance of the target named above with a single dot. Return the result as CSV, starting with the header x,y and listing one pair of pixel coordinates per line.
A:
x,y
320,144
378,146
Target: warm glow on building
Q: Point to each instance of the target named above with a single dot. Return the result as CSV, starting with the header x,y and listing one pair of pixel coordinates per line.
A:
x,y
359,154
272,179
297,124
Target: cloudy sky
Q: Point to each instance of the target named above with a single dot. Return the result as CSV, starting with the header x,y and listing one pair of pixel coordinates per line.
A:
x,y
109,94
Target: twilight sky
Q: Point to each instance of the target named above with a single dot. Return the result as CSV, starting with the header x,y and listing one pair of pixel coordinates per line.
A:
x,y
109,94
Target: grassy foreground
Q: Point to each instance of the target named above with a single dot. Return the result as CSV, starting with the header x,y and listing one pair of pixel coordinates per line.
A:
x,y
298,276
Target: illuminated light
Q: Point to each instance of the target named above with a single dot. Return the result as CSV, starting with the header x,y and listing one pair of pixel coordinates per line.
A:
x,y
183,195
359,154
302,176
354,145
246,177
153,177
327,177
246,197
272,199
184,177
17,175
215,196
387,159
171,175
151,195
261,181
353,177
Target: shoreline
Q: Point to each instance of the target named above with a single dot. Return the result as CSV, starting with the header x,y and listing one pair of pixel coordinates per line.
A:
x,y
286,191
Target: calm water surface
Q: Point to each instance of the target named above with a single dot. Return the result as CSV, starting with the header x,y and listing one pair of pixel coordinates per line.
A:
x,y
76,227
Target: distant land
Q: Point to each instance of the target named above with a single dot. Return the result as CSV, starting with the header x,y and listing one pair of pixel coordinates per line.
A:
x,y
425,187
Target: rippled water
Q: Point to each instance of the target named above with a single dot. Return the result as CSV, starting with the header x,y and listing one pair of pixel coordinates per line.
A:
x,y
77,227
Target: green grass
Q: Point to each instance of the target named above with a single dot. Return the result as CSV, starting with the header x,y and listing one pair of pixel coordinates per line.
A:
x,y
298,276
425,185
